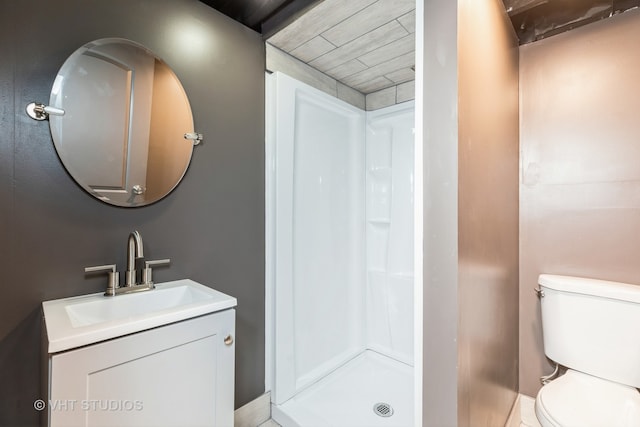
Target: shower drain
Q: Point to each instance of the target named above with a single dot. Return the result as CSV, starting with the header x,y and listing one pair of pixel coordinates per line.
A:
x,y
383,409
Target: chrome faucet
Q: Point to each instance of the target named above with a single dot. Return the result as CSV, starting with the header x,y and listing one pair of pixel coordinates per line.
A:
x,y
135,251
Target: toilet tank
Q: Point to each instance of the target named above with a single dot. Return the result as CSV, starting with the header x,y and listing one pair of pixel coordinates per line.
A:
x,y
592,326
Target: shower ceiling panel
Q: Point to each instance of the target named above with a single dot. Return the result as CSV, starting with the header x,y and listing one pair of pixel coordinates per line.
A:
x,y
368,45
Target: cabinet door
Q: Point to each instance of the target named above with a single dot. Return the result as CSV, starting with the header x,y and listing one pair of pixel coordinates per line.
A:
x,y
176,375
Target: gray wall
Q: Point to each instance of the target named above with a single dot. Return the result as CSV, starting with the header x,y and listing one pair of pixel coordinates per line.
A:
x,y
488,155
580,180
439,105
470,268
212,226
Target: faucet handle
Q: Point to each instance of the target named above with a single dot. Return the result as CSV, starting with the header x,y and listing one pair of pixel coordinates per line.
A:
x,y
114,277
147,274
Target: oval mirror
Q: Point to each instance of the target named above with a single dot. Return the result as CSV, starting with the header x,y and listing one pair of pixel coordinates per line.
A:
x,y
122,135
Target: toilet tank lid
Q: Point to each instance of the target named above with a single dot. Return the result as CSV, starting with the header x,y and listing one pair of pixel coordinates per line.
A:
x,y
595,287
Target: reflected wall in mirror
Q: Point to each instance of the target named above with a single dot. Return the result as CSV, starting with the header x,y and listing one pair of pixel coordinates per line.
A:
x,y
126,113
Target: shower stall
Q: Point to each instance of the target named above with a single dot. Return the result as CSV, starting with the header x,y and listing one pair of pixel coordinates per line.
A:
x,y
340,286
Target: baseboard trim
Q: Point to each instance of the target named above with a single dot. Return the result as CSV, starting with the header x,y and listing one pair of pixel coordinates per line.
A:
x,y
254,413
515,415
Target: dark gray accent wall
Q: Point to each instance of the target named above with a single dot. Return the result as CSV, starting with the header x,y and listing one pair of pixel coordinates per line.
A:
x,y
211,226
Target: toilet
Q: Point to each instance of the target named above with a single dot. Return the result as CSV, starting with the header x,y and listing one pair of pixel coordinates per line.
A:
x,y
592,328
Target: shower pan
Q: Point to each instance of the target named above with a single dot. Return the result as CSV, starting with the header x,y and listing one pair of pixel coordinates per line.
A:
x,y
340,285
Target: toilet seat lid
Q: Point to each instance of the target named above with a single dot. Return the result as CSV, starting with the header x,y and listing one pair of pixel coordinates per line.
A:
x,y
577,399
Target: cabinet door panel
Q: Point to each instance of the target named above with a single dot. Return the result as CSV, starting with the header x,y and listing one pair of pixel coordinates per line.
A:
x,y
176,375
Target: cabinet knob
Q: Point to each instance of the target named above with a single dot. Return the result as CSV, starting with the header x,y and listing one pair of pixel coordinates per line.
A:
x,y
228,340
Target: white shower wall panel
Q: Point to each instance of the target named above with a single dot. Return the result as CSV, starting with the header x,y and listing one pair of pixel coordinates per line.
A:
x,y
319,278
390,191
328,235
339,234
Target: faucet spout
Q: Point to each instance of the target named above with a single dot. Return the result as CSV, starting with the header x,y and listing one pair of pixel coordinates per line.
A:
x,y
135,250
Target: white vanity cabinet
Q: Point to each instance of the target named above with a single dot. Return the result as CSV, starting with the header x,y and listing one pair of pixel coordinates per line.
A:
x,y
179,374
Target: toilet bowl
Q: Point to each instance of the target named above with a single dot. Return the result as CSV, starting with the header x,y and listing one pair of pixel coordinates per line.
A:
x,y
581,400
591,327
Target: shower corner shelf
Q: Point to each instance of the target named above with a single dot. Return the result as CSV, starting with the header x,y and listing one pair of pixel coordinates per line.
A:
x,y
379,171
379,221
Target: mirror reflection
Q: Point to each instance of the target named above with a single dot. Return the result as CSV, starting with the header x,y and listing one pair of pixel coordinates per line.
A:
x,y
122,137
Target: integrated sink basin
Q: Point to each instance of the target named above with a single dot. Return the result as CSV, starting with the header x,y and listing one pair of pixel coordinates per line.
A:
x,y
98,310
87,319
